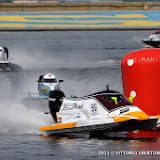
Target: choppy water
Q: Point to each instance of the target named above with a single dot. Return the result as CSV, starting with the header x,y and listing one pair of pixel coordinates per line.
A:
x,y
87,62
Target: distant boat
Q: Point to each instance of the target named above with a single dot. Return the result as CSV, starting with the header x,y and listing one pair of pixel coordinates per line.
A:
x,y
153,40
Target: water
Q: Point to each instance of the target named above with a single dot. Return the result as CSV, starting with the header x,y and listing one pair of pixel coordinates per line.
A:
x,y
87,62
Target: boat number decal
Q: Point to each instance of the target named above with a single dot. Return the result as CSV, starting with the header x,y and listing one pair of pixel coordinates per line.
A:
x,y
70,106
124,110
44,90
94,110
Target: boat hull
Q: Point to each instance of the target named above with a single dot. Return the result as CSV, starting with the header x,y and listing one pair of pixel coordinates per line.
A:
x,y
10,67
105,129
155,44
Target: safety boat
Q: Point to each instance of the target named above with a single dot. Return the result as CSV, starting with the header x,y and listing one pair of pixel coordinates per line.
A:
x,y
100,113
153,40
46,84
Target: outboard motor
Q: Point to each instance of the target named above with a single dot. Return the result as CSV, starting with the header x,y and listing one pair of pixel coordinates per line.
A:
x,y
55,101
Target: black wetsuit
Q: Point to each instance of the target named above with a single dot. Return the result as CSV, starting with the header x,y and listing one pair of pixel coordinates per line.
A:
x,y
55,102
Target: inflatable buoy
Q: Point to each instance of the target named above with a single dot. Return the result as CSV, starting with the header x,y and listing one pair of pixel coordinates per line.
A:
x,y
141,79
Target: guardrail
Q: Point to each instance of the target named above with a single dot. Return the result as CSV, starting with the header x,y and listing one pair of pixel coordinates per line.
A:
x,y
64,6
73,1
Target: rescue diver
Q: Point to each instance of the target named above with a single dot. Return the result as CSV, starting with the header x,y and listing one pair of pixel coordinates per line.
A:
x,y
55,101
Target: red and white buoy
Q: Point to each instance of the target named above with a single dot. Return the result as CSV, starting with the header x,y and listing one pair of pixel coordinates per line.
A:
x,y
141,79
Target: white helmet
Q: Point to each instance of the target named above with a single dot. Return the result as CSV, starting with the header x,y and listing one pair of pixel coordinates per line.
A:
x,y
49,76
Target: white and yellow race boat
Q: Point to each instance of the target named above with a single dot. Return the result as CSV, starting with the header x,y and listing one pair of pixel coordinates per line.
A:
x,y
96,114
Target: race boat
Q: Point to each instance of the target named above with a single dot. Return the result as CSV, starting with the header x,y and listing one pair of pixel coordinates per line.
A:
x,y
4,61
153,40
6,64
99,114
3,55
46,84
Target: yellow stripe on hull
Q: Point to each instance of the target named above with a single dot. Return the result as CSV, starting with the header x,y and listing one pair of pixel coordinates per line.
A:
x,y
137,114
58,126
121,119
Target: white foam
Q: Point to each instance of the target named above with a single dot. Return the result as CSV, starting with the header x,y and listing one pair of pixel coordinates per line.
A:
x,y
108,62
17,119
